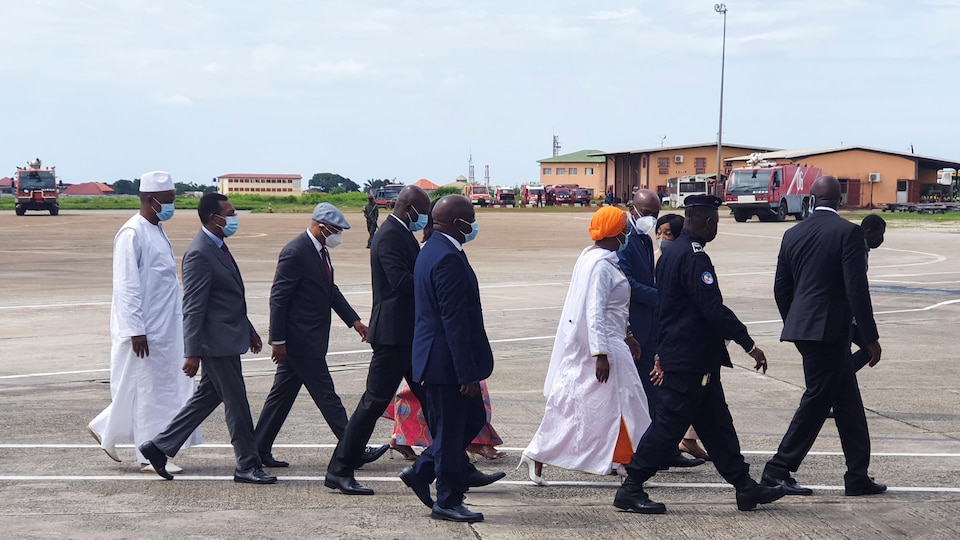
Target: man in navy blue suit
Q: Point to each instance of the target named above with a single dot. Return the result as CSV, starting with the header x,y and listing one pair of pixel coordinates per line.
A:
x,y
451,355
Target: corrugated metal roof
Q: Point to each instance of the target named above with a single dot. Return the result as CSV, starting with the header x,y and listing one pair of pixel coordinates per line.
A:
x,y
808,152
583,156
244,176
656,149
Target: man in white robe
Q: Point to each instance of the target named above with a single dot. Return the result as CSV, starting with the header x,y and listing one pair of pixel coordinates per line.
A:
x,y
147,385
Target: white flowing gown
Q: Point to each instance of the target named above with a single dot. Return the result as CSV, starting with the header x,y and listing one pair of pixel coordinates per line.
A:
x,y
147,300
581,421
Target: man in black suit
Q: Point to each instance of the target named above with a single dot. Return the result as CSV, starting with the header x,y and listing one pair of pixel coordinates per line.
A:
x,y
821,282
393,253
451,355
216,331
301,298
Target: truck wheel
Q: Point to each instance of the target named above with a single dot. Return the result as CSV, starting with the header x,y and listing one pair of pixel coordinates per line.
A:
x,y
20,210
741,216
805,212
55,210
782,211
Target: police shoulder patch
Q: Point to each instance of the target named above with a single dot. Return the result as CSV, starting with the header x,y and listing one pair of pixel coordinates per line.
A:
x,y
707,278
697,248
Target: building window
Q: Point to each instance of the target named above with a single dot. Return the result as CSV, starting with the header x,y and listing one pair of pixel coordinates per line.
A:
x,y
546,170
700,164
561,170
573,170
664,165
588,170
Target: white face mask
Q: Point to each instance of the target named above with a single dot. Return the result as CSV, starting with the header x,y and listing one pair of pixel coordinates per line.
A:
x,y
643,224
334,240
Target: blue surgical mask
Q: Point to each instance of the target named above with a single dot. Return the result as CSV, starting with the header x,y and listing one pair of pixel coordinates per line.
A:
x,y
230,228
420,223
166,210
626,240
474,229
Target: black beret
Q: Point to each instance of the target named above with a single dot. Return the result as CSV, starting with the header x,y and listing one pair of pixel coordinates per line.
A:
x,y
702,200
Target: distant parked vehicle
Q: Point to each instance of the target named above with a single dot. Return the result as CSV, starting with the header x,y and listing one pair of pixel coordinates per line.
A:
x,y
504,195
477,193
585,196
386,196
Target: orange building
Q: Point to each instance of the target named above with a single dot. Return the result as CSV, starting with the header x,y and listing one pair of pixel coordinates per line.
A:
x,y
868,177
260,184
586,168
650,168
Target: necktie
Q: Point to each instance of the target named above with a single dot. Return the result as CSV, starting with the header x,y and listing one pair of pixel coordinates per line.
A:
x,y
226,252
326,264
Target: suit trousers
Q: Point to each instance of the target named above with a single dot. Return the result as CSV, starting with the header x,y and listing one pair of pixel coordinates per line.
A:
x,y
830,379
644,366
220,382
684,401
294,373
454,420
389,365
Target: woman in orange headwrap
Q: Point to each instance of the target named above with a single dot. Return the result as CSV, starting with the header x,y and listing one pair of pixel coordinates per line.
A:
x,y
596,409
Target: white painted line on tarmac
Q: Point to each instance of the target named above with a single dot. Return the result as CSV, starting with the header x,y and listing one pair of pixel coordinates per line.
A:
x,y
330,446
44,306
392,479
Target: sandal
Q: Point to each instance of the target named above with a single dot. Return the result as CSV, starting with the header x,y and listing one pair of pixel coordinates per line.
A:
x,y
691,447
487,451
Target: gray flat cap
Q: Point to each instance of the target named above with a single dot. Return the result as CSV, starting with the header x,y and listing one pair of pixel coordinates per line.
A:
x,y
328,214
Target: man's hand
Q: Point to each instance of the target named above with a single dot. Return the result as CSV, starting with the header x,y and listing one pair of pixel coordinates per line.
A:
x,y
656,375
255,344
603,368
190,366
470,389
361,329
279,353
634,347
874,350
761,359
140,347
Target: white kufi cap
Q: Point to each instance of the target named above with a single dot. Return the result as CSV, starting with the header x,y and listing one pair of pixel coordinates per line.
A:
x,y
155,181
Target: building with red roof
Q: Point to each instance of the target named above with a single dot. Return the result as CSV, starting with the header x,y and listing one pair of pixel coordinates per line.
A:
x,y
89,188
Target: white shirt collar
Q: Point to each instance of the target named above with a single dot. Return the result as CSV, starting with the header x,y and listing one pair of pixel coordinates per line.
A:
x,y
453,240
405,226
216,239
827,208
316,243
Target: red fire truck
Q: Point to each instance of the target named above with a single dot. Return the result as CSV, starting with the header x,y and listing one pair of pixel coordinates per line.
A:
x,y
770,191
37,189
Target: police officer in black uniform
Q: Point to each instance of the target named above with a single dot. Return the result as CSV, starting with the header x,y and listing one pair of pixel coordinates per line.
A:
x,y
693,326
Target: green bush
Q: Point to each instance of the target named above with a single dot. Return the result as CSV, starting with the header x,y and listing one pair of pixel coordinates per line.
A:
x,y
442,191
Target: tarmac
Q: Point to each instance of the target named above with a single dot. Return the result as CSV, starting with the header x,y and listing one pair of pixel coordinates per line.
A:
x,y
54,378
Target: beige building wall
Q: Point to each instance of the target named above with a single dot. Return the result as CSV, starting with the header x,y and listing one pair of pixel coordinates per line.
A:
x,y
588,175
268,185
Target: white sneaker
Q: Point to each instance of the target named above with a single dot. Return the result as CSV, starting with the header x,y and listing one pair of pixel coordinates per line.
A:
x,y
111,452
171,467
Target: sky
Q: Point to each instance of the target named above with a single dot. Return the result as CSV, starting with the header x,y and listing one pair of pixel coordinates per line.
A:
x,y
108,89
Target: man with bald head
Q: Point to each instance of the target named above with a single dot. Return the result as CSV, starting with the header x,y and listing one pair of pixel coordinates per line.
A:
x,y
393,254
451,355
820,284
636,262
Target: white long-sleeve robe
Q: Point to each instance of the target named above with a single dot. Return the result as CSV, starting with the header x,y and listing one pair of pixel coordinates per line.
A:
x,y
147,300
581,421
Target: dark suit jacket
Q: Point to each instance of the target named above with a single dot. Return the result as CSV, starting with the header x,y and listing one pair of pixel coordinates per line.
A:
x,y
636,261
301,298
215,319
393,255
450,345
821,281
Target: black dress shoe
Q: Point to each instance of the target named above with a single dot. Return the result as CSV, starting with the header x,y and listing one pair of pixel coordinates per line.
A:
x,y
267,460
347,485
789,484
419,487
253,475
637,500
748,499
868,488
458,513
678,461
157,458
371,454
479,479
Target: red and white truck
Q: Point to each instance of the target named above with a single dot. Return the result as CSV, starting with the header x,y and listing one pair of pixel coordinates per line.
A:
x,y
770,191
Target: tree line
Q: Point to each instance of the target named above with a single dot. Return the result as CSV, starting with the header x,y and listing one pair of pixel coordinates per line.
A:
x,y
328,182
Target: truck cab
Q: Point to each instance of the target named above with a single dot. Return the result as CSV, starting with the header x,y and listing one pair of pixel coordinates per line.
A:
x,y
771,192
504,195
478,194
36,189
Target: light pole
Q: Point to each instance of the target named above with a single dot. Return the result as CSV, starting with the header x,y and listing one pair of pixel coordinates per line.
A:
x,y
721,9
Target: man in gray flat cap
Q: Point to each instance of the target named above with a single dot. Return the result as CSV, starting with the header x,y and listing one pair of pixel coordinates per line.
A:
x,y
301,298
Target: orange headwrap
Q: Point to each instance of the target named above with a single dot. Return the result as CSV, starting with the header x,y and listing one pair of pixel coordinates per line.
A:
x,y
608,222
